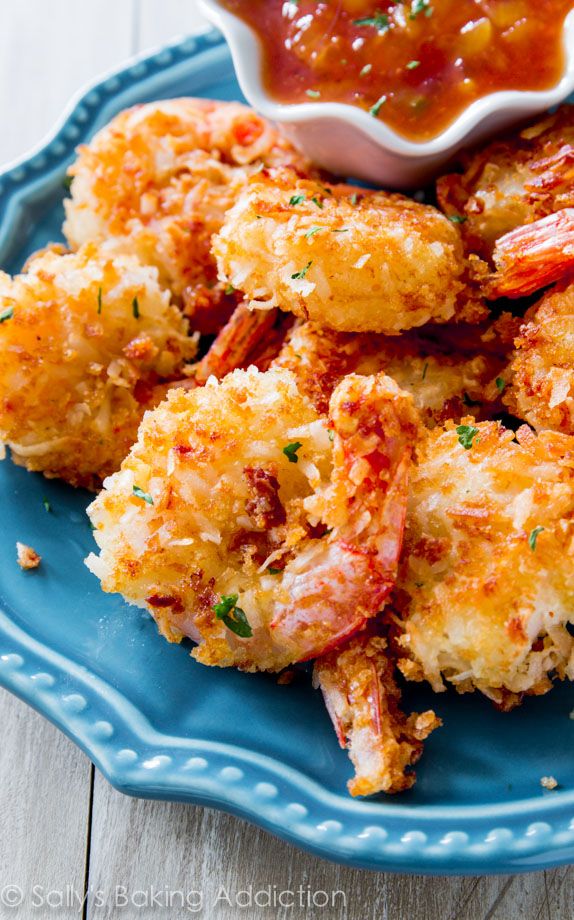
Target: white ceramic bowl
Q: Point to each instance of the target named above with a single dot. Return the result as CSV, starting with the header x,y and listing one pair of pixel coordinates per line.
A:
x,y
349,142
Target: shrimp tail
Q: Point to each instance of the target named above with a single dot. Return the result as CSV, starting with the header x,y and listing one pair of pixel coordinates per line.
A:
x,y
349,573
242,333
363,701
533,256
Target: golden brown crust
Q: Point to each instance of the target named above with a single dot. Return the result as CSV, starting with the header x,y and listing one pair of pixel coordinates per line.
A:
x,y
364,704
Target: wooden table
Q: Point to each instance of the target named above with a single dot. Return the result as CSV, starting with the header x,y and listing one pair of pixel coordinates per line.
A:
x,y
62,828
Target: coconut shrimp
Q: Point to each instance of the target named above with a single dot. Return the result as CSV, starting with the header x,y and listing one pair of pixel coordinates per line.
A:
x,y
485,591
156,182
244,519
541,372
512,182
349,259
443,382
363,701
84,339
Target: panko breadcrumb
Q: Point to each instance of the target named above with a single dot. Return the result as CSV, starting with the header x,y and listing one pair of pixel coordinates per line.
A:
x,y
239,501
443,383
84,340
548,782
27,557
350,259
541,371
486,588
157,180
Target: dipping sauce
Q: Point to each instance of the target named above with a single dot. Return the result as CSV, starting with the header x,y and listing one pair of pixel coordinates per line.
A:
x,y
415,64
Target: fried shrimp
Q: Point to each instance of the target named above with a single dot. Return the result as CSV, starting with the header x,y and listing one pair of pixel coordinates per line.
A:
x,y
363,701
443,384
158,179
346,258
512,182
486,586
244,519
84,338
541,389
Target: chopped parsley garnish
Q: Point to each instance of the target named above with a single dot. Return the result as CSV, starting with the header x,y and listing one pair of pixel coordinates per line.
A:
x,y
135,308
233,616
6,314
500,384
298,276
47,505
313,231
375,109
296,199
313,93
273,571
533,537
67,182
425,369
354,197
99,300
229,289
291,451
466,435
420,6
412,65
380,21
365,70
145,496
344,230
317,201
331,434
457,219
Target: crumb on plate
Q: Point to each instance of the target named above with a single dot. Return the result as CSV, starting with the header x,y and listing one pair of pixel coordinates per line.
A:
x,y
28,558
548,782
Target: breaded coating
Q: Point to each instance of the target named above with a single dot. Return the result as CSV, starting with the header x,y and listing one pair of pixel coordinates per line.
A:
x,y
486,587
443,383
84,338
247,521
27,557
541,389
157,180
510,182
349,259
363,701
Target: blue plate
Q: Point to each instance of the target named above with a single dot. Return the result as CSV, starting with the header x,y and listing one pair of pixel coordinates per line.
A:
x,y
158,725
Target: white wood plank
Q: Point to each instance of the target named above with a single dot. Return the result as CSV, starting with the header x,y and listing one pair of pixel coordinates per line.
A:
x,y
47,52
160,20
44,808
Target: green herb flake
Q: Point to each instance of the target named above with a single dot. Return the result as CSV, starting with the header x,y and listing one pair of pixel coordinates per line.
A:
x,y
99,301
376,108
412,65
457,219
47,505
145,496
229,289
296,199
354,198
6,314
291,451
135,308
313,93
344,230
533,537
380,21
466,435
298,276
317,201
233,616
420,6
500,384
313,231
365,70
425,369
273,571
67,182
331,434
